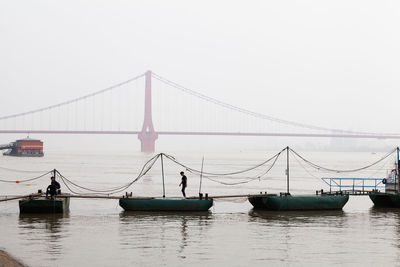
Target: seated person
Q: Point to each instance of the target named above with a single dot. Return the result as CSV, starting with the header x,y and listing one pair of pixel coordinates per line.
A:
x,y
52,188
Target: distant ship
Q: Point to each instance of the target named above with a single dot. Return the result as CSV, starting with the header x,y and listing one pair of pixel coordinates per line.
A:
x,y
26,147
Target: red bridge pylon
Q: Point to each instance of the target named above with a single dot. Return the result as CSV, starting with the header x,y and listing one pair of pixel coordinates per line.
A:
x,y
148,135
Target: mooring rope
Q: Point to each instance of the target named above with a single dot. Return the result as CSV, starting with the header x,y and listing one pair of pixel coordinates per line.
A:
x,y
145,169
25,180
192,170
22,171
316,166
247,181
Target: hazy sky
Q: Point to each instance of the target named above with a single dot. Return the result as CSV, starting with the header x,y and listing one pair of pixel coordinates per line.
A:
x,y
328,63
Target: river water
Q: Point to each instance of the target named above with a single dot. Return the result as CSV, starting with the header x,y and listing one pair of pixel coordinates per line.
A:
x,y
100,233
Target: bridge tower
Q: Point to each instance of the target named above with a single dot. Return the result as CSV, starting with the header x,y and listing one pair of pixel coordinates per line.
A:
x,y
148,135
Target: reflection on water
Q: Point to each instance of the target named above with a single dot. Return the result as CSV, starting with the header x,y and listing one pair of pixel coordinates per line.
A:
x,y
43,230
163,231
296,216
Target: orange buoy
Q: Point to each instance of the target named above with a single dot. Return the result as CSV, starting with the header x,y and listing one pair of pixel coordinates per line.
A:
x,y
17,182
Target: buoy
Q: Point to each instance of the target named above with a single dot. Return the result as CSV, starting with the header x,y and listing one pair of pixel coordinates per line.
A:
x,y
17,182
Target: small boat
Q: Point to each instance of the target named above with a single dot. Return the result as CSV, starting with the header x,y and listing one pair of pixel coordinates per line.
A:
x,y
43,205
391,197
305,202
165,204
285,201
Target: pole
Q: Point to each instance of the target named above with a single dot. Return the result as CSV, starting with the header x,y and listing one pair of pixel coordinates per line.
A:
x,y
162,172
287,168
54,173
201,174
397,171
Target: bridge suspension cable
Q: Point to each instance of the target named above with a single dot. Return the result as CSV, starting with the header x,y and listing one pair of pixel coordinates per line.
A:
x,y
73,100
256,114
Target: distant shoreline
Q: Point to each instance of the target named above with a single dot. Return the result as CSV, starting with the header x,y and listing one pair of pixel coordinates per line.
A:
x,y
8,261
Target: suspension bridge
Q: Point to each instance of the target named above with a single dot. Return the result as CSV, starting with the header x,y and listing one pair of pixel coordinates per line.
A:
x,y
112,111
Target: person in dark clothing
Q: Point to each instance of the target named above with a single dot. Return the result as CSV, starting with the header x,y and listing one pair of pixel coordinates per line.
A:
x,y
183,183
52,188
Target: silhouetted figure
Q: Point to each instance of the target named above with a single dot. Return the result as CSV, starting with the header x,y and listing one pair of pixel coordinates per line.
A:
x,y
52,188
183,183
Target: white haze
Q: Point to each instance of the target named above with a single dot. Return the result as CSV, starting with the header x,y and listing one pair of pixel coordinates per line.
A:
x,y
334,64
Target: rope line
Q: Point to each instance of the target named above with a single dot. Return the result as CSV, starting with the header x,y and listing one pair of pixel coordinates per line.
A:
x,y
145,169
221,174
25,180
318,167
250,180
22,171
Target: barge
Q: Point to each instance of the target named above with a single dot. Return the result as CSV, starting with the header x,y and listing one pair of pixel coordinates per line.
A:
x,y
287,202
165,204
391,197
302,202
44,205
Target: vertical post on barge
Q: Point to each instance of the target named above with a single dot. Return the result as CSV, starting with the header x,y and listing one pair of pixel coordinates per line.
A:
x,y
201,175
162,173
287,169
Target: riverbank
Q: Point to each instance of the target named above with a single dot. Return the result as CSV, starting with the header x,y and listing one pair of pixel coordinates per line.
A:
x,y
8,261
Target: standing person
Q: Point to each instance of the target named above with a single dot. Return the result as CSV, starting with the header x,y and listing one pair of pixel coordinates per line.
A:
x,y
183,183
52,188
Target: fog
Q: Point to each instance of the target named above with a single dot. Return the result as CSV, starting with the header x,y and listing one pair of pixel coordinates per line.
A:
x,y
332,64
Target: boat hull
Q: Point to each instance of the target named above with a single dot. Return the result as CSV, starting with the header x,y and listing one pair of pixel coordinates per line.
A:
x,y
385,200
311,202
43,205
165,204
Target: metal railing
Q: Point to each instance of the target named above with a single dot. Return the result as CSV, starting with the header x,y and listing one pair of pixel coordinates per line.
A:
x,y
354,184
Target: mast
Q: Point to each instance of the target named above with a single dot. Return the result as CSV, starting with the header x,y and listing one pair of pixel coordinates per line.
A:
x,y
162,173
287,169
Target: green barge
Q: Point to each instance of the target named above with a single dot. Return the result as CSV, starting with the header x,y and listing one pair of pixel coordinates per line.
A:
x,y
287,202
165,204
43,205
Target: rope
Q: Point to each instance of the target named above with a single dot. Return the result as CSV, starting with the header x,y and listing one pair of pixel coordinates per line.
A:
x,y
145,169
24,171
298,161
318,167
250,180
25,180
221,174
